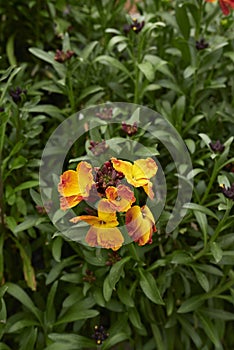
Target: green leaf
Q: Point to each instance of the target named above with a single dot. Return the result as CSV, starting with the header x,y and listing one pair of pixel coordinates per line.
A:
x,y
191,331
61,346
149,287
75,314
157,337
216,251
209,329
2,291
51,110
29,274
29,222
192,303
111,61
218,314
179,257
29,338
107,289
25,185
57,248
4,347
89,48
75,341
147,69
202,279
116,271
182,19
89,91
50,313
135,318
124,295
98,297
57,269
113,340
19,325
19,294
10,50
201,208
18,163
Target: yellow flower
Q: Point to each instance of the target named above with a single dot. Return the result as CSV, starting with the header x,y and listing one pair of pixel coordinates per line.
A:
x,y
138,173
140,224
74,186
103,231
121,197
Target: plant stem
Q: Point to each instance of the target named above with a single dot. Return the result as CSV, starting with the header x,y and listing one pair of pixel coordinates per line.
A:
x,y
222,221
210,184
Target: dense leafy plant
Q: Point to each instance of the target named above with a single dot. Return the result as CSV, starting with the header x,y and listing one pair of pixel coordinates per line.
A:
x,y
176,58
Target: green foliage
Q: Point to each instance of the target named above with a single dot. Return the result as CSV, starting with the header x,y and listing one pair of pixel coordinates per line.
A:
x,y
176,293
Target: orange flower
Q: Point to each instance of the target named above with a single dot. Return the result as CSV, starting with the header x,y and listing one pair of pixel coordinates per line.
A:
x,y
225,5
74,186
140,224
121,197
103,231
138,173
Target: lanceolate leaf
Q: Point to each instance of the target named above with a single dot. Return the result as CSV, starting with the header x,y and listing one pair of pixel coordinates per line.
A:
x,y
149,287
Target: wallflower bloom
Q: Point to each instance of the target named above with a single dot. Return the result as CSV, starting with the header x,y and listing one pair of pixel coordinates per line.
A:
x,y
138,173
217,146
103,231
121,197
228,192
225,5
74,186
140,224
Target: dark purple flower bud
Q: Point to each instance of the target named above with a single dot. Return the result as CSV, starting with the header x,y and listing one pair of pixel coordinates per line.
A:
x,y
136,26
1,109
105,114
228,192
16,94
98,148
130,129
229,167
99,334
201,44
217,146
89,276
113,258
62,56
107,176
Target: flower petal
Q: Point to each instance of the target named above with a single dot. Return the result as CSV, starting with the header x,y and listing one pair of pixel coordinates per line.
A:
x,y
69,202
148,188
91,220
121,197
140,224
107,213
123,167
91,237
85,178
68,185
147,166
110,238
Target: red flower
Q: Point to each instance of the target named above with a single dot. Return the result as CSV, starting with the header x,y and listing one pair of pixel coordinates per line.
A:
x,y
225,5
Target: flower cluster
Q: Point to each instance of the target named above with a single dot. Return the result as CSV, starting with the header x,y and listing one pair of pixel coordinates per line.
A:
x,y
228,192
17,93
100,334
112,187
62,56
225,5
135,26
